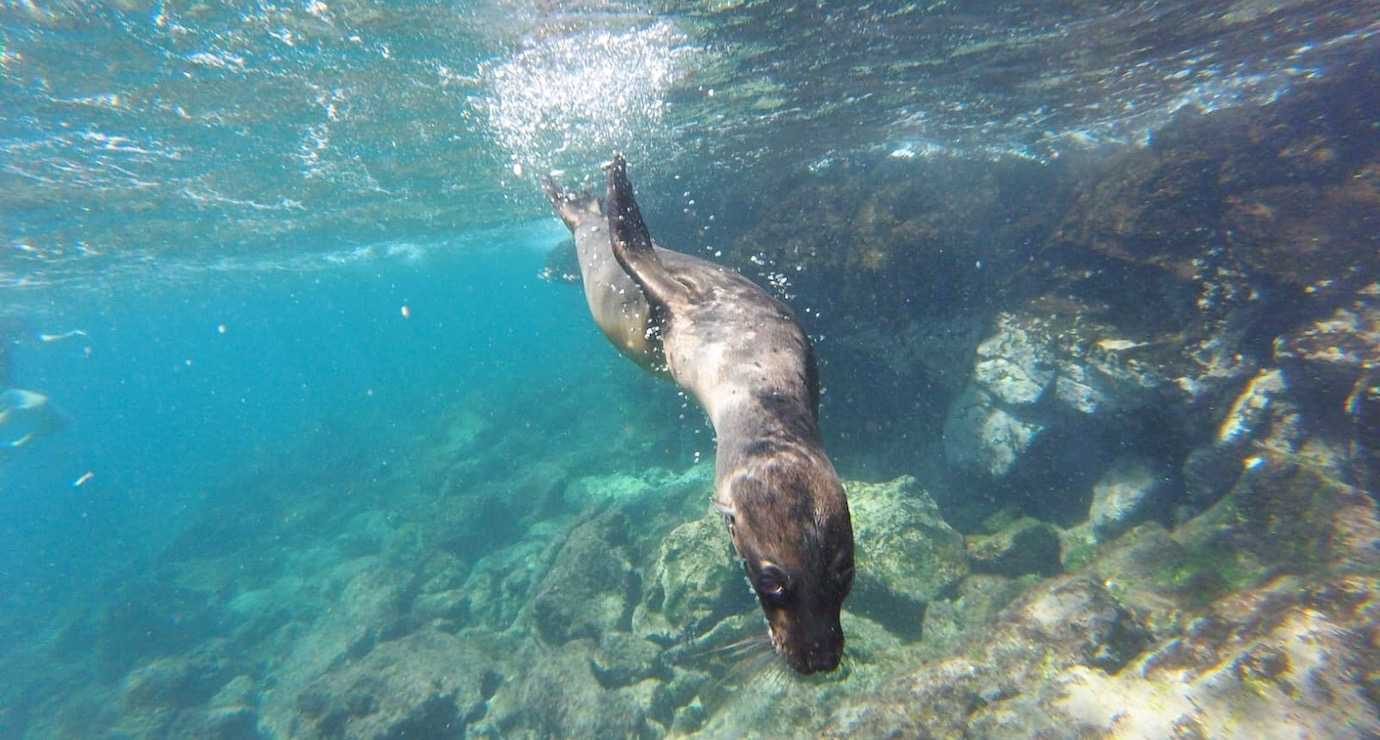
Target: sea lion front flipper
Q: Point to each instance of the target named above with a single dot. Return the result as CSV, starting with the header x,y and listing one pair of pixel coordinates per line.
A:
x,y
571,207
632,243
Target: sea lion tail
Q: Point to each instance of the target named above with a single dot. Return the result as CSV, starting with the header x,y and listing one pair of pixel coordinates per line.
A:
x,y
571,207
632,242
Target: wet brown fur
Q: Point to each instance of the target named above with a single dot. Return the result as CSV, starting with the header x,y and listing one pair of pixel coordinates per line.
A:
x,y
744,357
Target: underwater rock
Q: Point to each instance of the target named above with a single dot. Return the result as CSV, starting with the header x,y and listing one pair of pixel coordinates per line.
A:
x,y
175,681
694,583
450,605
1024,546
623,659
426,684
366,601
558,694
1336,349
650,492
501,583
1158,579
978,435
590,587
475,523
1334,361
229,715
1065,621
1039,377
1284,658
237,722
1132,490
1014,368
1073,656
981,597
188,696
907,554
1290,187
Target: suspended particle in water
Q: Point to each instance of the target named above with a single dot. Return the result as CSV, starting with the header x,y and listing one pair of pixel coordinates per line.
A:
x,y
222,328
517,169
405,311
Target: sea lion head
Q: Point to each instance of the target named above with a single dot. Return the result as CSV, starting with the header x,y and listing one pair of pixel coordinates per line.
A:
x,y
789,523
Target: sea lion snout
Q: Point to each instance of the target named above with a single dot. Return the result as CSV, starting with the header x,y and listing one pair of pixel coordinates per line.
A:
x,y
793,531
809,648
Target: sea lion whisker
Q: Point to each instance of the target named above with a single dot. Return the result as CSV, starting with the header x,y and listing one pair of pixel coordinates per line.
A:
x,y
746,668
736,646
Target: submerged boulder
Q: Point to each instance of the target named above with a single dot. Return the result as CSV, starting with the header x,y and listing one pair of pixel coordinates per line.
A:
x,y
1066,621
590,587
1040,375
907,555
559,694
979,435
980,598
427,684
1024,546
694,583
1133,489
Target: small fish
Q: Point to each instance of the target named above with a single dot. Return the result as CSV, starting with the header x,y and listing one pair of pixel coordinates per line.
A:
x,y
50,338
18,398
85,477
22,440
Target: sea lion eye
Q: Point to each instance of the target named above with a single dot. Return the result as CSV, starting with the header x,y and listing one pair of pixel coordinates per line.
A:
x,y
771,583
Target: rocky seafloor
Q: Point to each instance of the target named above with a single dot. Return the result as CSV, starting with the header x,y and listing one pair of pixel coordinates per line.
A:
x,y
1110,429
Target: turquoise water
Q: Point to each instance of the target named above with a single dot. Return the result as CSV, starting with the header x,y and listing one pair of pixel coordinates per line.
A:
x,y
300,438
172,389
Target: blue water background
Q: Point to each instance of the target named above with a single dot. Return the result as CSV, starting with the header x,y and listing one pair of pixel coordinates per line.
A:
x,y
166,407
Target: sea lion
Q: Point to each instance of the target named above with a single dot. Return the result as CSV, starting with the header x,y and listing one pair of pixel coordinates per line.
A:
x,y
741,354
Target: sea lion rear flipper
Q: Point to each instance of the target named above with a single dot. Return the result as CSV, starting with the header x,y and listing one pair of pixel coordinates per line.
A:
x,y
632,243
571,207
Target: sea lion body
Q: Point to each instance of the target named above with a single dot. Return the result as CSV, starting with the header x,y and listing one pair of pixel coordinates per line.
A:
x,y
615,302
742,354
